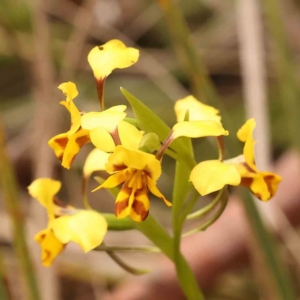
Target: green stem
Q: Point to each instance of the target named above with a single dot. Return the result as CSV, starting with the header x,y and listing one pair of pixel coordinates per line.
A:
x,y
127,249
277,271
11,198
151,229
208,208
223,200
124,265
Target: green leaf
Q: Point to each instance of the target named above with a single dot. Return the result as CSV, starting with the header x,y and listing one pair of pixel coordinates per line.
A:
x,y
150,122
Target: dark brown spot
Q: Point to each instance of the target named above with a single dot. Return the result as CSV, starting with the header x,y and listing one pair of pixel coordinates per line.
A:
x,y
120,206
82,140
100,47
247,182
119,167
139,209
62,142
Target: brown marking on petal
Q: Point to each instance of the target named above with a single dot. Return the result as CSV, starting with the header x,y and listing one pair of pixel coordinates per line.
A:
x,y
244,164
268,180
258,195
119,167
42,236
147,171
139,209
62,142
246,182
82,140
46,255
120,206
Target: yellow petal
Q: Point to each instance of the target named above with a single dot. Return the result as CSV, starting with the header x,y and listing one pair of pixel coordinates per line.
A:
x,y
130,136
197,111
108,119
44,190
123,202
86,228
59,143
212,175
245,134
258,187
155,191
75,118
112,55
197,129
102,140
50,246
246,130
113,180
135,159
69,89
95,161
76,141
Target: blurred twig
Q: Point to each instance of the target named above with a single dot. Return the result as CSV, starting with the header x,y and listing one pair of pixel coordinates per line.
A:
x,y
286,70
10,194
4,287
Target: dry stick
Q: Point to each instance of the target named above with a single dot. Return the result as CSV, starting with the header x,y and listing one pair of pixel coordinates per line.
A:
x,y
253,66
46,114
45,111
252,61
250,33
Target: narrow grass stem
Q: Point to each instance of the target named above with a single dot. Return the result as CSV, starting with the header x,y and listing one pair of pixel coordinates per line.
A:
x,y
11,198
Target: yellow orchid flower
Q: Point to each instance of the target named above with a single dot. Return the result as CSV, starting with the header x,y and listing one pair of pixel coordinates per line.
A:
x,y
87,228
262,184
67,145
139,171
112,55
195,110
105,58
210,176
194,120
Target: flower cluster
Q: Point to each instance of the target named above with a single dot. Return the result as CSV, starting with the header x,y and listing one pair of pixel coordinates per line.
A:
x,y
132,159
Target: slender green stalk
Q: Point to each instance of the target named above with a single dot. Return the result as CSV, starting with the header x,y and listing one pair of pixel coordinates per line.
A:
x,y
4,290
11,197
277,271
223,203
151,229
286,70
208,208
125,266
